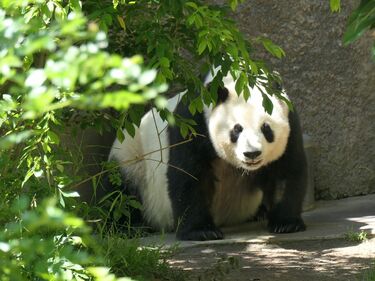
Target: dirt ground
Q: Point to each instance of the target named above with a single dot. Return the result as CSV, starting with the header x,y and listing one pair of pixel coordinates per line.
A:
x,y
321,260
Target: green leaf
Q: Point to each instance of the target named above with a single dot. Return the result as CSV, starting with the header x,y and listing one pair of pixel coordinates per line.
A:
x,y
253,67
240,83
75,5
61,200
47,10
272,48
164,62
136,113
32,12
54,138
184,130
246,93
60,168
267,104
192,5
335,5
202,46
192,107
135,204
27,176
233,4
72,194
363,18
60,12
46,147
27,62
199,104
129,128
121,22
120,135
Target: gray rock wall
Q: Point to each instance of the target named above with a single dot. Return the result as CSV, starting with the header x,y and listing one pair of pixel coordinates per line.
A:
x,y
332,86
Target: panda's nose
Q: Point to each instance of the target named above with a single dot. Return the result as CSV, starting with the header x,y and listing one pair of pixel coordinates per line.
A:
x,y
252,154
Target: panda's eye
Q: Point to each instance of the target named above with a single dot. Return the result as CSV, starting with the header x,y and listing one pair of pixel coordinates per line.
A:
x,y
267,132
235,133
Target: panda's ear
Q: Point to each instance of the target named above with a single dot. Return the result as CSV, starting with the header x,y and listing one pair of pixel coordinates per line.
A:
x,y
222,93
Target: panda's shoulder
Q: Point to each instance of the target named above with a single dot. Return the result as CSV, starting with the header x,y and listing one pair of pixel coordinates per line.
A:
x,y
199,121
200,142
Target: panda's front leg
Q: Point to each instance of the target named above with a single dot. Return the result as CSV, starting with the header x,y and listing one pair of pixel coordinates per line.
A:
x,y
285,216
190,204
291,168
189,191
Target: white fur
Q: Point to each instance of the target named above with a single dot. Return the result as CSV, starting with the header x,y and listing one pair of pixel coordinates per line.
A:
x,y
144,159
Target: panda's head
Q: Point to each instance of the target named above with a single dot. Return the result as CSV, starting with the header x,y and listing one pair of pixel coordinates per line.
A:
x,y
242,133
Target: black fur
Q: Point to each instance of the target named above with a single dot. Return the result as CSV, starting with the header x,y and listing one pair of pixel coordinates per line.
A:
x,y
286,216
235,133
290,173
222,93
191,194
267,132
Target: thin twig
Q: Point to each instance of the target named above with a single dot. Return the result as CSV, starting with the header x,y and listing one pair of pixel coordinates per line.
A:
x,y
130,162
158,135
173,166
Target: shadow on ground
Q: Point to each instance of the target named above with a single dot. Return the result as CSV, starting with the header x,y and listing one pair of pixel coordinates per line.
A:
x,y
322,260
320,253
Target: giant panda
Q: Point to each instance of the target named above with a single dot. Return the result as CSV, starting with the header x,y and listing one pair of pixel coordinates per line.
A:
x,y
242,162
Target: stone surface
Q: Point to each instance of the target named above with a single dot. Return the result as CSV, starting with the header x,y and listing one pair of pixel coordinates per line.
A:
x,y
328,220
332,86
323,252
318,260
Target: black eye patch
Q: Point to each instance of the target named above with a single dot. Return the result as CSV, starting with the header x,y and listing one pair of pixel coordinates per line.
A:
x,y
235,133
267,132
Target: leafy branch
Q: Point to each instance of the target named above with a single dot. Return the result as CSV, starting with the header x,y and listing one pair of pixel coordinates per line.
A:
x,y
361,20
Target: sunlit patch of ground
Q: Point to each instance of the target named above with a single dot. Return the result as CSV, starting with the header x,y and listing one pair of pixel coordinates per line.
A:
x,y
323,260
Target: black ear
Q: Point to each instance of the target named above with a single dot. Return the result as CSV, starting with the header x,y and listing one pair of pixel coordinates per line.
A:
x,y
222,93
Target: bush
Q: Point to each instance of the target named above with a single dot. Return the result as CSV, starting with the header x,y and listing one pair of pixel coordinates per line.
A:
x,y
58,76
49,244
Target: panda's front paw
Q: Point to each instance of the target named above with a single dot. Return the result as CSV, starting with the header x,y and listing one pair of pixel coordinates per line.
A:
x,y
286,225
212,233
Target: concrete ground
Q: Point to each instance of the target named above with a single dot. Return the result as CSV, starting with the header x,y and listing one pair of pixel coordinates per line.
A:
x,y
326,251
